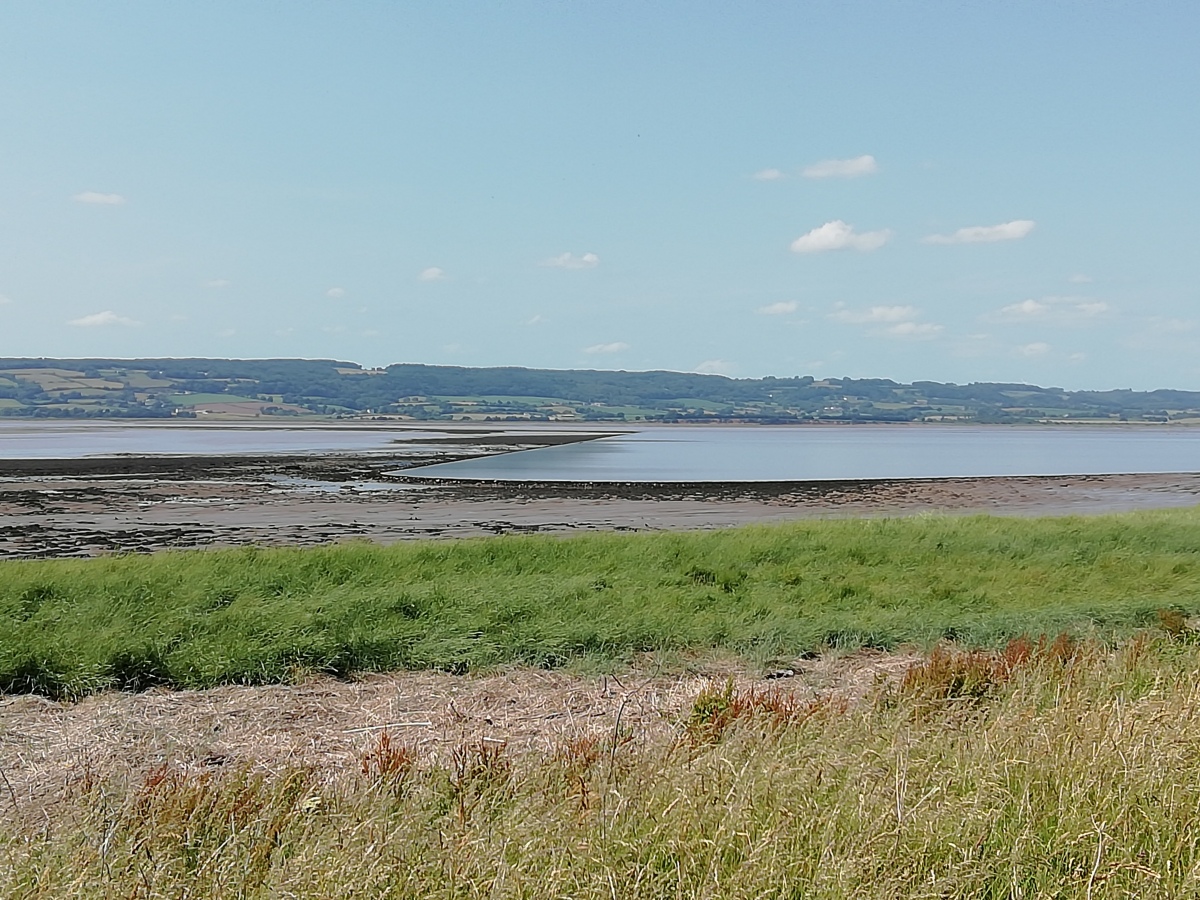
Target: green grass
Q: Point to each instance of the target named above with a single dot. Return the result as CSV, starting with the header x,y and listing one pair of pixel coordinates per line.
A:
x,y
195,399
1065,775
201,618
485,399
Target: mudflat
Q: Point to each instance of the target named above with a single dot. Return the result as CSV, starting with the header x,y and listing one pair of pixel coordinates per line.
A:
x,y
63,508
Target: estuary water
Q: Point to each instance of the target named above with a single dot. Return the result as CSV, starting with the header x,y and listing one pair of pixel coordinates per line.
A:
x,y
827,453
687,453
79,440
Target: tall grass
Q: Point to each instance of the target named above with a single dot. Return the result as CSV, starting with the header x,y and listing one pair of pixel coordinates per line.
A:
x,y
200,618
1074,771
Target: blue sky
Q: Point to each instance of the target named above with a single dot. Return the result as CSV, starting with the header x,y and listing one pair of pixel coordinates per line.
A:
x,y
936,190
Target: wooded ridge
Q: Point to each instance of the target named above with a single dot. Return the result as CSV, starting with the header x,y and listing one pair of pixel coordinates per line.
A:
x,y
233,388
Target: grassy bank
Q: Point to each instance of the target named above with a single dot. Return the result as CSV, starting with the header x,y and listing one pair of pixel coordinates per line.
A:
x,y
1051,771
195,619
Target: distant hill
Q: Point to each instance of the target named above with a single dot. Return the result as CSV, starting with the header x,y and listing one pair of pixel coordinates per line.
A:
x,y
238,389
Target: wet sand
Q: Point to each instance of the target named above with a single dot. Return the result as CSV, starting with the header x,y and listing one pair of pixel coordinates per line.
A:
x,y
63,508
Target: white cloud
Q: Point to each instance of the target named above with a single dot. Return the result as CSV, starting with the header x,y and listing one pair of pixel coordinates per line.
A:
x,y
1026,309
889,321
1077,357
842,168
1081,279
914,330
571,261
101,319
1037,348
4,301
1056,310
874,316
335,293
536,320
837,235
783,308
98,199
614,347
218,284
767,175
716,367
433,273
985,234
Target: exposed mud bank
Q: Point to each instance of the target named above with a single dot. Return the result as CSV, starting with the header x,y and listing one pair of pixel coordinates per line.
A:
x,y
59,508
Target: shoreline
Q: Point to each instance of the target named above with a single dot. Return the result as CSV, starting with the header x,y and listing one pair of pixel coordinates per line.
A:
x,y
92,507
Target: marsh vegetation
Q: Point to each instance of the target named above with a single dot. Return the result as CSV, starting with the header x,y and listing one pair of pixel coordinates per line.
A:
x,y
768,594
1048,768
1041,738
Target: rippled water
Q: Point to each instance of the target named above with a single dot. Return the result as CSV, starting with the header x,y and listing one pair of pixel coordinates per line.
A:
x,y
803,453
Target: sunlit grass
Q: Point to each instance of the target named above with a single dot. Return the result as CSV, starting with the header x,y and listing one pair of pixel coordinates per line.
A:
x,y
200,618
1069,770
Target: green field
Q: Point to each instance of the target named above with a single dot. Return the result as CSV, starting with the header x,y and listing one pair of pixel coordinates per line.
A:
x,y
197,399
768,594
996,765
485,399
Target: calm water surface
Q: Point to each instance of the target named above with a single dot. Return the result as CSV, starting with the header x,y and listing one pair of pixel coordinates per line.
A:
x,y
803,453
673,454
79,440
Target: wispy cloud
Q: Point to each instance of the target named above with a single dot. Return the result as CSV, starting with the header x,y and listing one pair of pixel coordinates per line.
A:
x,y
897,321
537,319
985,234
335,293
1163,335
783,308
614,347
432,273
4,301
1053,310
103,319
1080,278
837,235
98,199
842,168
716,367
571,261
1037,348
767,175
874,316
217,284
914,330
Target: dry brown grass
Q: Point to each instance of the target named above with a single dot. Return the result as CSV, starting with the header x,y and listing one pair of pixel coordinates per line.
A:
x,y
1048,769
330,726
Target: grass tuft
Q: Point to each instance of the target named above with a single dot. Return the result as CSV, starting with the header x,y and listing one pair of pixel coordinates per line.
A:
x,y
253,615
1076,773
